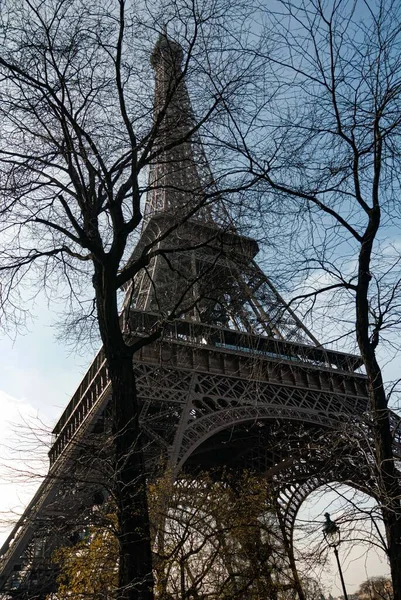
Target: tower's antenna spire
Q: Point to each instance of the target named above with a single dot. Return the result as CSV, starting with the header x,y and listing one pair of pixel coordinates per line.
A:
x,y
166,54
174,180
180,176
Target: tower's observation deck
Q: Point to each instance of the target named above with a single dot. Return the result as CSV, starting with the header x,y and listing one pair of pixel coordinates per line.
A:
x,y
298,371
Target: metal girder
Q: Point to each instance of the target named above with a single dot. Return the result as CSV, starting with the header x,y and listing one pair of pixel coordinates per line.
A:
x,y
325,461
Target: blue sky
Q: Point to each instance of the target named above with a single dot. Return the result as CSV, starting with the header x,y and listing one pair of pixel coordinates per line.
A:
x,y
37,378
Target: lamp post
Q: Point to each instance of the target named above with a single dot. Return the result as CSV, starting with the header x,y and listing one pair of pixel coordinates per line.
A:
x,y
331,533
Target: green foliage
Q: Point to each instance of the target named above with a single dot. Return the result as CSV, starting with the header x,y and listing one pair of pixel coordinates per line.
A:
x,y
376,588
213,537
89,568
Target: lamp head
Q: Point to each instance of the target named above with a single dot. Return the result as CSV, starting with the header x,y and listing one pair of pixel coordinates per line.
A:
x,y
331,532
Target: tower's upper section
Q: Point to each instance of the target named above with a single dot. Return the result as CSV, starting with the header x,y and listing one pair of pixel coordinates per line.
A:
x,y
166,53
171,95
204,269
174,179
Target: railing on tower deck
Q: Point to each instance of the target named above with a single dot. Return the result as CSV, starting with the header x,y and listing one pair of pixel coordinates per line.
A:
x,y
194,334
83,402
221,338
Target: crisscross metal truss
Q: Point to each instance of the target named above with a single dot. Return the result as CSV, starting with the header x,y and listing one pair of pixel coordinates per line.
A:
x,y
333,457
182,408
195,384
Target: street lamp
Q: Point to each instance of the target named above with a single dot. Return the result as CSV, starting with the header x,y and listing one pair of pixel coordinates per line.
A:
x,y
331,533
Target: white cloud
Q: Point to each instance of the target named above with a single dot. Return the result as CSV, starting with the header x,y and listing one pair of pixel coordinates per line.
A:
x,y
37,377
22,457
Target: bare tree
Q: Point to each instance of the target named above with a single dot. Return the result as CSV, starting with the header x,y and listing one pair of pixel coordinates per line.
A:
x,y
76,139
326,142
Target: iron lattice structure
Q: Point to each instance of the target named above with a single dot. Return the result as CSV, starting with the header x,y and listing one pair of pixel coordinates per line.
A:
x,y
234,364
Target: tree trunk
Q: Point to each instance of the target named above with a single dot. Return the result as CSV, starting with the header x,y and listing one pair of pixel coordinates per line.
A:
x,y
390,496
389,485
135,557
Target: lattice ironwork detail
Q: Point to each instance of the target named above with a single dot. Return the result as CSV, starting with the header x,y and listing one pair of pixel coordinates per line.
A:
x,y
233,355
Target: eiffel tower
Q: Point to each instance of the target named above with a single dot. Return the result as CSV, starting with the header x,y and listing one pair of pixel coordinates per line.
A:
x,y
234,365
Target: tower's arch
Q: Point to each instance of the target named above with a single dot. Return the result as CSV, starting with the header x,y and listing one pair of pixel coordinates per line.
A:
x,y
202,433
